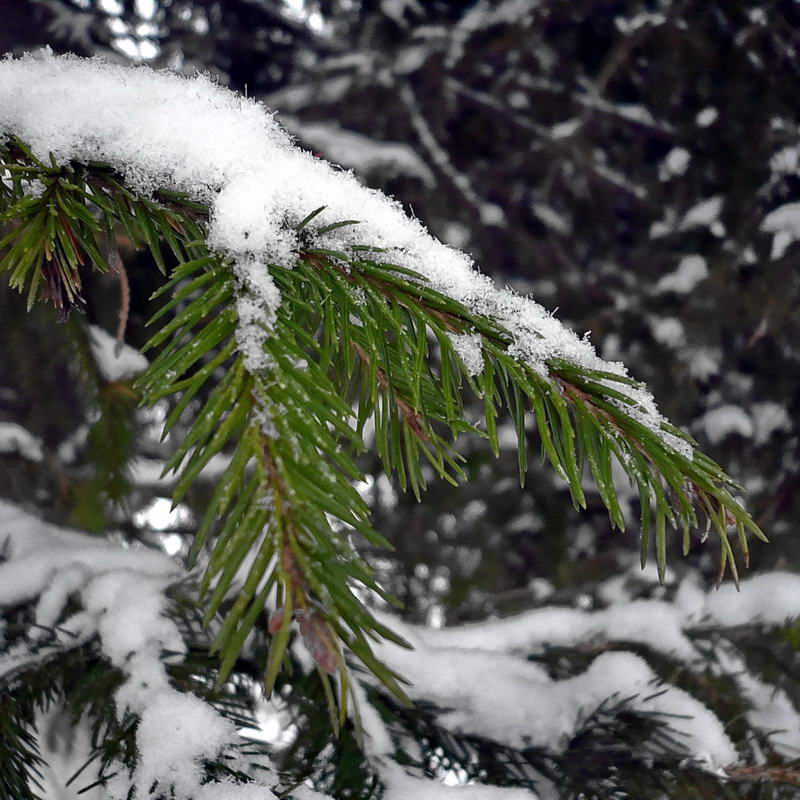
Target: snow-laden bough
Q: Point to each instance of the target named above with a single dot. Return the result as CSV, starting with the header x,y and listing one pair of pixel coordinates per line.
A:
x,y
161,130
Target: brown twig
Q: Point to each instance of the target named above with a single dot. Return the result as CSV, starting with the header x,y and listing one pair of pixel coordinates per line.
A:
x,y
124,297
317,634
764,774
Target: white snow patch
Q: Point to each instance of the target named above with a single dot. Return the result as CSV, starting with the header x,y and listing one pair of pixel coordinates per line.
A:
x,y
410,59
456,234
691,271
540,588
64,747
483,15
551,218
122,594
37,549
116,361
772,598
633,112
703,214
130,610
521,705
769,417
667,331
664,226
771,709
786,161
15,439
708,116
399,785
674,164
784,224
67,581
628,25
175,732
650,622
721,422
469,347
256,303
704,362
396,9
356,151
563,130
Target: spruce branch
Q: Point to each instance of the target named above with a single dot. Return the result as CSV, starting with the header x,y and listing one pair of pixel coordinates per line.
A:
x,y
355,340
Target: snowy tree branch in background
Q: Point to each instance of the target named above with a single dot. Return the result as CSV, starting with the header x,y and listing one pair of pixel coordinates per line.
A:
x,y
123,619
129,639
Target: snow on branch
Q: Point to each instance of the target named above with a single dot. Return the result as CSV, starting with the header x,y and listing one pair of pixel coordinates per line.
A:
x,y
494,693
478,674
769,599
160,130
279,317
15,439
121,593
516,703
355,151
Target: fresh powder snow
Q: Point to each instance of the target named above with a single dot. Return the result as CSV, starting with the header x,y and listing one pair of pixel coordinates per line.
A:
x,y
161,130
121,591
522,704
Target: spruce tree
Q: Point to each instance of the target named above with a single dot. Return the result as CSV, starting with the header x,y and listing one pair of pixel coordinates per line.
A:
x,y
288,340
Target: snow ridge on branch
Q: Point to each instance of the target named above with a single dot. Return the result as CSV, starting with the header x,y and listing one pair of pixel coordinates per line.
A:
x,y
122,600
160,130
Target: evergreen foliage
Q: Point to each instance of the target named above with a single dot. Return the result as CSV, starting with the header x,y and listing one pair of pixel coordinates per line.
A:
x,y
418,393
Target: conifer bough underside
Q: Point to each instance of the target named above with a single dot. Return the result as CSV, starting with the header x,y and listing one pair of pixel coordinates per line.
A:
x,y
304,310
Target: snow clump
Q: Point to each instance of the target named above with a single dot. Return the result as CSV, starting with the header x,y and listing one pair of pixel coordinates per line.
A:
x,y
691,270
15,440
115,360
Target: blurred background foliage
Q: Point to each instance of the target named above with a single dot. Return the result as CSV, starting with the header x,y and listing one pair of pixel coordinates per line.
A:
x,y
633,165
